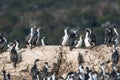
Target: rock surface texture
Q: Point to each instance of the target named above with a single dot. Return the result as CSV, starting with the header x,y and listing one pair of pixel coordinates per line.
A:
x,y
60,58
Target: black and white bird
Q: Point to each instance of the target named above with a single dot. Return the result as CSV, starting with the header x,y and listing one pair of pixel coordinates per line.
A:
x,y
16,42
46,68
5,76
65,37
79,42
90,38
72,38
95,75
35,38
81,72
115,56
3,42
115,36
111,36
113,73
30,36
70,76
34,71
103,73
13,54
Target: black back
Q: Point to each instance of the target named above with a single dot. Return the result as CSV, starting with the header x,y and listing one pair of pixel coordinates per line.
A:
x,y
115,57
14,56
34,70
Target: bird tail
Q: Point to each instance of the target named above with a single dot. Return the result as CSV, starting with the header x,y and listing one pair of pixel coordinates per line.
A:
x,y
14,64
34,77
71,48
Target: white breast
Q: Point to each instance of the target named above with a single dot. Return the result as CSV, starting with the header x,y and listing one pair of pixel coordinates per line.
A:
x,y
79,43
65,40
86,40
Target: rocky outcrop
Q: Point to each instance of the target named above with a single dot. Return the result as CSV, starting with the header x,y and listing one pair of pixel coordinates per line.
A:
x,y
60,59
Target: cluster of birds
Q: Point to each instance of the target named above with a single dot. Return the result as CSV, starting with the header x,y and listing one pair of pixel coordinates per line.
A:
x,y
73,41
81,74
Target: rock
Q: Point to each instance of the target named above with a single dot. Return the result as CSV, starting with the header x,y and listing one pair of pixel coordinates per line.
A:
x,y
59,56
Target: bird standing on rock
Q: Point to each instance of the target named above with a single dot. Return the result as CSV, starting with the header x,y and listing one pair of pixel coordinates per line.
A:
x,y
65,37
34,71
72,39
3,42
90,38
79,42
111,37
13,54
115,37
33,38
30,36
115,56
16,42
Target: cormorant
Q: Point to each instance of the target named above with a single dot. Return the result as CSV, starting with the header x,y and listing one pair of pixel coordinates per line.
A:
x,y
30,36
111,36
90,39
72,39
13,54
79,42
3,42
34,70
65,37
115,56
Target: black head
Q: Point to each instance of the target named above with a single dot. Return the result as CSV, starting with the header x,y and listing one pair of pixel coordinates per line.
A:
x,y
82,67
87,69
44,37
114,26
109,29
46,63
67,28
16,41
88,30
37,60
4,72
71,72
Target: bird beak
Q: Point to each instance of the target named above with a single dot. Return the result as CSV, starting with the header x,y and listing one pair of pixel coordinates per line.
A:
x,y
39,27
34,27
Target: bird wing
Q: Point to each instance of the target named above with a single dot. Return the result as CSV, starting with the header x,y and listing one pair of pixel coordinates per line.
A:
x,y
34,39
27,38
115,57
92,39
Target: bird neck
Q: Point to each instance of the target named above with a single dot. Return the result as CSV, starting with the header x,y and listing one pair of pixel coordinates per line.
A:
x,y
35,62
68,77
81,69
90,76
38,32
31,32
65,32
80,38
46,66
16,46
115,31
103,69
86,35
43,43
